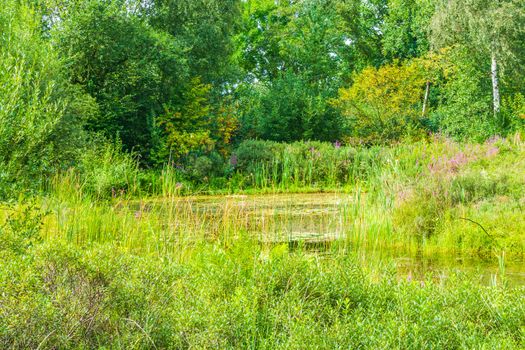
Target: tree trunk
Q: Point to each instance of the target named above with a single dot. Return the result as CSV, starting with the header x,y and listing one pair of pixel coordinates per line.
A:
x,y
495,85
425,101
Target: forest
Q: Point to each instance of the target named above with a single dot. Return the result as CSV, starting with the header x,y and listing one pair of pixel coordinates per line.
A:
x,y
262,174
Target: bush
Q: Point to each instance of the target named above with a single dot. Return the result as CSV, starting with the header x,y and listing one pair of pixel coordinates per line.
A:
x,y
513,113
465,110
106,170
385,104
41,113
303,164
21,229
252,152
205,167
70,297
420,214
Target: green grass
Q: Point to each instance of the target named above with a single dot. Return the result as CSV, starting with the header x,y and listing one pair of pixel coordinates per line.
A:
x,y
242,296
79,269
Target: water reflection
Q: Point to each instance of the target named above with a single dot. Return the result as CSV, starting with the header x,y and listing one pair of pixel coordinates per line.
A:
x,y
318,222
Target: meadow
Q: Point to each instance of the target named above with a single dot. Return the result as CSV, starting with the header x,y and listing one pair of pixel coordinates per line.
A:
x,y
302,249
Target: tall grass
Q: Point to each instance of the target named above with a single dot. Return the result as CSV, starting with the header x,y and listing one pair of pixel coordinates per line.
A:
x,y
79,269
440,196
240,295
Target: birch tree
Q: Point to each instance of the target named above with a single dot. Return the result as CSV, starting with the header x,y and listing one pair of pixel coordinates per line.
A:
x,y
492,27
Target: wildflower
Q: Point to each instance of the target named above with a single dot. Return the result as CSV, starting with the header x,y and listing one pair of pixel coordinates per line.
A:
x,y
234,160
494,139
492,151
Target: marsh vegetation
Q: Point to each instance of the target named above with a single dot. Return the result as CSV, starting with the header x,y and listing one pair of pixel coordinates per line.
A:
x,y
424,251
262,174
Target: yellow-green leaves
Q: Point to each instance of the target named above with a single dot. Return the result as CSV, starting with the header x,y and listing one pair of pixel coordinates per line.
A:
x,y
384,102
186,127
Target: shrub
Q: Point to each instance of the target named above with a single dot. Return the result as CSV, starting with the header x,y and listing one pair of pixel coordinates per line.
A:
x,y
251,152
307,164
420,214
106,170
513,113
385,104
68,297
41,113
21,229
464,110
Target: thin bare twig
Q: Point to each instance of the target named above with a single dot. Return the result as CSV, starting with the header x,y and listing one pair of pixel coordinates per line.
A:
x,y
484,230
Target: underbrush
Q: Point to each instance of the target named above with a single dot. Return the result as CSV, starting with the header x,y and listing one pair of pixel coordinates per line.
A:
x,y
438,195
265,166
83,269
56,295
471,201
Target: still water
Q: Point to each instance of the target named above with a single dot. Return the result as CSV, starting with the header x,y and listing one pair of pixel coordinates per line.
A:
x,y
318,222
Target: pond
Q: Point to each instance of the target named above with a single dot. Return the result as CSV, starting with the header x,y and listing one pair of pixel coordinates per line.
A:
x,y
316,223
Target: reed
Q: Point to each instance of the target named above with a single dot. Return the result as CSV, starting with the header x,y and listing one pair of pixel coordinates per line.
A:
x,y
163,267
410,196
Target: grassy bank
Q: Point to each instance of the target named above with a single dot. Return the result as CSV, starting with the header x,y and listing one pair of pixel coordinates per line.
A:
x,y
81,269
436,196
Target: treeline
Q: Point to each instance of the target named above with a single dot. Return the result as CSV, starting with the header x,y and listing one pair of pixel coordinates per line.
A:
x,y
172,81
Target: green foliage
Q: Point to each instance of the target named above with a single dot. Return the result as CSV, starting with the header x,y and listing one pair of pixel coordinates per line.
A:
x,y
513,112
187,127
204,168
251,152
420,214
121,61
463,186
362,28
483,26
235,298
176,80
41,114
465,109
144,64
290,110
385,104
231,96
303,164
106,171
21,229
490,40
197,272
405,28
205,29
294,56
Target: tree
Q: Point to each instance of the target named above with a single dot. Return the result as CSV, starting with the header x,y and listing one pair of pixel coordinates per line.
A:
x,y
206,27
137,57
405,28
493,28
361,25
384,104
187,125
129,68
295,59
464,100
41,113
